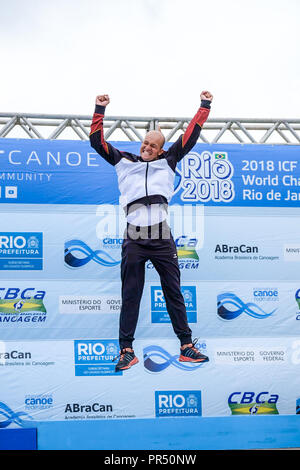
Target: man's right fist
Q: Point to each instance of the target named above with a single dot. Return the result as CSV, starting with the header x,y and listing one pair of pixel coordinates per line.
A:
x,y
102,100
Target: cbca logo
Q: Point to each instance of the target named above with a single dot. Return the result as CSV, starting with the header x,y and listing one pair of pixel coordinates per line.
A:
x,y
95,357
78,254
230,307
186,247
178,403
186,253
157,359
18,305
251,403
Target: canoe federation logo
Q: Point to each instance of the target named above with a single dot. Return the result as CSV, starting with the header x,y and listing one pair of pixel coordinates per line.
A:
x,y
230,307
158,359
78,254
10,417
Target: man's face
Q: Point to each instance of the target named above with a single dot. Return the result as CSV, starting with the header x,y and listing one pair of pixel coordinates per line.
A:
x,y
151,148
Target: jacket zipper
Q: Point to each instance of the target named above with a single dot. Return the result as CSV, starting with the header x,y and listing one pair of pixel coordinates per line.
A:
x,y
146,177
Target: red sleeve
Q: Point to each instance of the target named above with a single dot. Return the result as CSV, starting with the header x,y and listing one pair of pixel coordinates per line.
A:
x,y
199,119
97,140
188,140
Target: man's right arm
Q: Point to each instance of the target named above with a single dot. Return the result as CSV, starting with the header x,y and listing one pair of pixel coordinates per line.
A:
x,y
97,140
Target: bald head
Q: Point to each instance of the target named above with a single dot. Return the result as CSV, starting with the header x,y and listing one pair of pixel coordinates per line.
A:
x,y
152,146
156,135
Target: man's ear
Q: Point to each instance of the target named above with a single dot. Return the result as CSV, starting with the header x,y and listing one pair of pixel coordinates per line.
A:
x,y
161,151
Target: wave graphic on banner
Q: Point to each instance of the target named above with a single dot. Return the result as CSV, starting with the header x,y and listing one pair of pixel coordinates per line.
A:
x,y
233,300
78,246
12,417
158,352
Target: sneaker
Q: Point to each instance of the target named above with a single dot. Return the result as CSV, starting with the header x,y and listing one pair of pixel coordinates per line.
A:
x,y
191,354
126,360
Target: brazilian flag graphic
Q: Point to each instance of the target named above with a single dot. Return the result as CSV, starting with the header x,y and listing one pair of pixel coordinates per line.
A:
x,y
220,156
21,305
253,409
184,252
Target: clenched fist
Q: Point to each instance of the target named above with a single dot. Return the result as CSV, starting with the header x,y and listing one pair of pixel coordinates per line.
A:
x,y
103,100
206,95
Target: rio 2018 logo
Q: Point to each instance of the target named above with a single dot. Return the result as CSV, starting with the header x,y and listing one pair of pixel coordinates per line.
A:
x,y
206,177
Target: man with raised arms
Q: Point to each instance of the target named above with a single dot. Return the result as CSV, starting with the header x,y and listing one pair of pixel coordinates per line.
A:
x,y
146,184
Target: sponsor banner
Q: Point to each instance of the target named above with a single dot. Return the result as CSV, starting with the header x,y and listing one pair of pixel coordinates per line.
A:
x,y
240,175
76,243
239,265
58,310
75,380
29,355
54,172
292,252
245,245
21,251
251,403
79,304
53,309
38,401
22,304
95,357
172,403
231,309
252,355
249,309
158,358
159,313
209,245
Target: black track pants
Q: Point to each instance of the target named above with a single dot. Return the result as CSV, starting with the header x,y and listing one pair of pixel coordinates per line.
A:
x,y
163,255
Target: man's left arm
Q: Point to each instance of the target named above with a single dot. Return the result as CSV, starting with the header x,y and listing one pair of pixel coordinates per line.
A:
x,y
188,140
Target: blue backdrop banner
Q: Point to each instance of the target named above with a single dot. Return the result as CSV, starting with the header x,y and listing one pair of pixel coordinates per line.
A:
x,y
70,172
235,222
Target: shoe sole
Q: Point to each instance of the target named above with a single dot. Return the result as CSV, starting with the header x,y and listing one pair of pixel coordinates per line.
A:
x,y
188,359
132,363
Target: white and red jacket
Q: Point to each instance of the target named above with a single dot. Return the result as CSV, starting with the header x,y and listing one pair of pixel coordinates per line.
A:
x,y
146,183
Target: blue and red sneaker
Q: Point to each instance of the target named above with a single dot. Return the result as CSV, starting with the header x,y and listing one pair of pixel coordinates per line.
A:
x,y
126,360
192,354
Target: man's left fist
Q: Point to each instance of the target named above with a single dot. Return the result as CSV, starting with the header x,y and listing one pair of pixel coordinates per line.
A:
x,y
206,95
